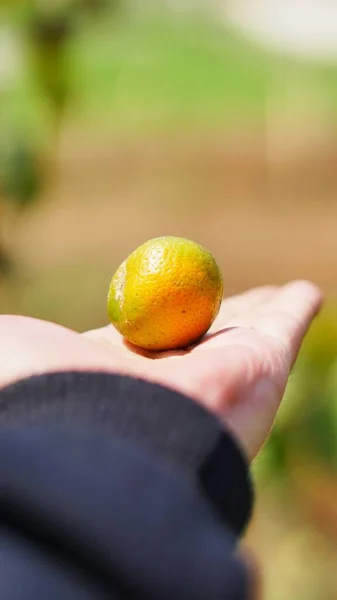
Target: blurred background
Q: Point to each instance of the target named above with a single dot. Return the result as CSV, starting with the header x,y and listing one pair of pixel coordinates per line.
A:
x,y
216,120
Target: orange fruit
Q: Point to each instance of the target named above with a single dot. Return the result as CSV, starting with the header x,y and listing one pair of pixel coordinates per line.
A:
x,y
166,294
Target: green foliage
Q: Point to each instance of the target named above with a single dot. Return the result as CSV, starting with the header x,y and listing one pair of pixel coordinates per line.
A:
x,y
21,173
307,423
46,29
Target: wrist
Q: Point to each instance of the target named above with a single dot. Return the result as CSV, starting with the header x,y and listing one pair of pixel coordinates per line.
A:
x,y
168,424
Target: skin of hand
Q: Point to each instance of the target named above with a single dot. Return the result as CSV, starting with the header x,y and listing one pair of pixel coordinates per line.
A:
x,y
239,371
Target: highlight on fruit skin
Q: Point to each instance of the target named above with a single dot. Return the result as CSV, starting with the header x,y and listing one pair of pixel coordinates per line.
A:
x,y
166,294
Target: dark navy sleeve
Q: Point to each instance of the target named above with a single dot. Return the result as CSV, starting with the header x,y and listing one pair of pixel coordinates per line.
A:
x,y
112,487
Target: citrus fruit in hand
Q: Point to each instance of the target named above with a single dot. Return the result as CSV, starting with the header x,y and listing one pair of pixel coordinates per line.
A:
x,y
166,294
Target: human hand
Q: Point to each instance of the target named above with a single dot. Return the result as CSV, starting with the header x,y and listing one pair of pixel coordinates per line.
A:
x,y
238,371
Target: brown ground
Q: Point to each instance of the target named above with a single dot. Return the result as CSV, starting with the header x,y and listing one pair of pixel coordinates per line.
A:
x,y
265,223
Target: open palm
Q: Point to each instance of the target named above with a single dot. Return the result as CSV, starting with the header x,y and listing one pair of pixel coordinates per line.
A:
x,y
239,370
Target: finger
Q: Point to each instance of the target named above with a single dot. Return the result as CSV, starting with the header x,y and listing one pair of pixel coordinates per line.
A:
x,y
243,310
289,314
243,303
237,311
246,301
